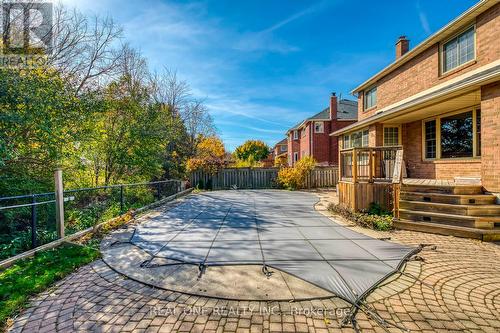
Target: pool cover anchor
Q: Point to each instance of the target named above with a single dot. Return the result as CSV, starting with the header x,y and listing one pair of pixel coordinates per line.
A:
x,y
202,268
266,271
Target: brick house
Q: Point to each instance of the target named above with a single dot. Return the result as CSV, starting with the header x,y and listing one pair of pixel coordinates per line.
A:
x,y
311,136
280,150
440,102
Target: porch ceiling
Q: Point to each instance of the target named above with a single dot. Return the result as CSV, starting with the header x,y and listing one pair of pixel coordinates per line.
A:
x,y
469,99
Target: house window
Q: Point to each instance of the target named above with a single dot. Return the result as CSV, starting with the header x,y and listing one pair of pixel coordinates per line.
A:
x,y
430,139
282,148
370,98
356,139
457,136
391,136
319,127
295,157
347,141
459,50
296,135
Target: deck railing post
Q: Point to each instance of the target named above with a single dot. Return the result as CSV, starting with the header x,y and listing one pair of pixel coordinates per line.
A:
x,y
354,165
370,165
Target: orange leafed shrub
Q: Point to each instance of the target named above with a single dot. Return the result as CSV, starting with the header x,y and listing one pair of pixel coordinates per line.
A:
x,y
294,178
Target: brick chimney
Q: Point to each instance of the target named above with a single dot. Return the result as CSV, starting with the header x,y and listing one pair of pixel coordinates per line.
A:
x,y
333,106
402,46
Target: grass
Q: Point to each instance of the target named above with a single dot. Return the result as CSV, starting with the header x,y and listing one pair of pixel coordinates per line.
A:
x,y
34,275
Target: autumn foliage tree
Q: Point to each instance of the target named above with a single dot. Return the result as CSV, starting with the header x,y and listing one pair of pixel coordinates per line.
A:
x,y
209,157
251,152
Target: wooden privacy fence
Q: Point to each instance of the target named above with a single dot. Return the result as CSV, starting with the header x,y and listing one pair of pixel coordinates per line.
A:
x,y
258,178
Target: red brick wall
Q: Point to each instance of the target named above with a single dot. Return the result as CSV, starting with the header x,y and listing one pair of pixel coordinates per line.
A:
x,y
305,140
335,143
490,137
438,169
293,146
321,144
422,72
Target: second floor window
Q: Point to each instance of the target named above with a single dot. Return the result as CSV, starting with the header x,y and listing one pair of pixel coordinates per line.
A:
x,y
370,98
283,148
295,135
458,50
319,127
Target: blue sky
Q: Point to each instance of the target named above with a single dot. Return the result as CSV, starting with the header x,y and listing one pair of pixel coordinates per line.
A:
x,y
262,66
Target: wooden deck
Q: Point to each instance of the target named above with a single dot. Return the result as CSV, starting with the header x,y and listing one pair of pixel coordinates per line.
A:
x,y
429,182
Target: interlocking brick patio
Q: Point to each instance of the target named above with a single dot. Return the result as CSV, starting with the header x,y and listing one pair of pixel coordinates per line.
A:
x,y
460,292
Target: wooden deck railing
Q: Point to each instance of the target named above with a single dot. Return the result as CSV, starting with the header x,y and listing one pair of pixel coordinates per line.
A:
x,y
374,165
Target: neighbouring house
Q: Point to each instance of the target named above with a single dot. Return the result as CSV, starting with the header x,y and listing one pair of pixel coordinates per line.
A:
x,y
280,150
311,136
439,104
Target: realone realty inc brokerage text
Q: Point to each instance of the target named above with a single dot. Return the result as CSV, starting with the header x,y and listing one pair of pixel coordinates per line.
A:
x,y
225,311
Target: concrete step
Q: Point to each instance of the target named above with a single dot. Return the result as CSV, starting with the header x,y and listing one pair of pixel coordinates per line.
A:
x,y
449,230
449,219
443,189
456,199
467,210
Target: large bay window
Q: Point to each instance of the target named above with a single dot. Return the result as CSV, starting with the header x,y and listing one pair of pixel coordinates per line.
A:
x,y
456,135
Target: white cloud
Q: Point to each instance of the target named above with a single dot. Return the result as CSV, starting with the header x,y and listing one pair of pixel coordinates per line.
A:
x,y
423,19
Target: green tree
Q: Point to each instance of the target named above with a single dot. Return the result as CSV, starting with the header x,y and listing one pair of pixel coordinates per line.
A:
x,y
42,125
252,150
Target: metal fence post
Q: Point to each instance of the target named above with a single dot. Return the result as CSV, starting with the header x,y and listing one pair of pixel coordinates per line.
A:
x,y
121,199
33,222
59,195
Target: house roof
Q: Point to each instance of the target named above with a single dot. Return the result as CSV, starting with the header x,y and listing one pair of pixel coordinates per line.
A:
x,y
282,142
454,87
346,109
441,34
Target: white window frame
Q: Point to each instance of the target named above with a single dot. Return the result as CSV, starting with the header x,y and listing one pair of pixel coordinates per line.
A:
x,y
365,98
295,134
438,135
295,157
321,127
454,37
283,148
